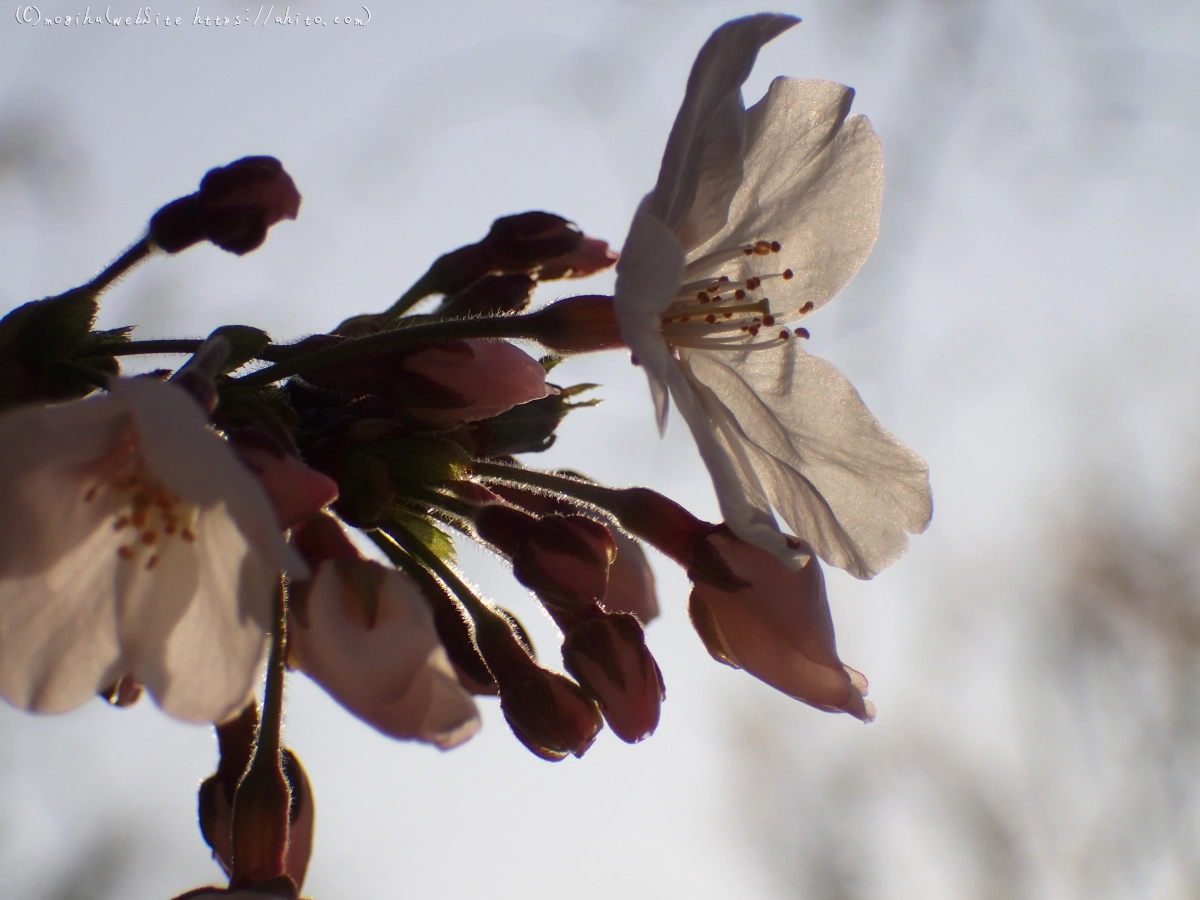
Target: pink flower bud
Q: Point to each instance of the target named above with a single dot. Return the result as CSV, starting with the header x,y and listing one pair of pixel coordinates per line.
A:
x,y
549,714
607,653
777,627
591,256
234,208
296,491
490,376
631,580
519,243
562,559
365,633
584,324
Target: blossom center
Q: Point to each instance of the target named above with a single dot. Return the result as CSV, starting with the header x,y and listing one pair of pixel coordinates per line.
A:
x,y
147,513
719,313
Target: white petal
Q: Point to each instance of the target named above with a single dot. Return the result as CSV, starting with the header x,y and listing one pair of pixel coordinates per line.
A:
x,y
392,673
45,453
196,463
814,182
58,633
58,628
198,638
706,140
834,474
648,277
744,504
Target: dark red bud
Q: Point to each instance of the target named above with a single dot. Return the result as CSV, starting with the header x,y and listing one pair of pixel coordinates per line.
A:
x,y
504,527
607,654
234,208
515,244
321,537
549,714
591,256
584,324
125,692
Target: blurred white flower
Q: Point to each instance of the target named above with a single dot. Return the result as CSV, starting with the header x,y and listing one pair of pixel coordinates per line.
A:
x,y
365,633
134,544
782,197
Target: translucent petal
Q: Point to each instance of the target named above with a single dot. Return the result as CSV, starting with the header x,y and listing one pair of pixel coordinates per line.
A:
x,y
201,665
779,628
196,463
745,506
648,276
805,438
706,139
46,458
58,628
390,672
813,182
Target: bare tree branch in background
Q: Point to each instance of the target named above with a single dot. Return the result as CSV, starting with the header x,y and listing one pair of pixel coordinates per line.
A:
x,y
1100,795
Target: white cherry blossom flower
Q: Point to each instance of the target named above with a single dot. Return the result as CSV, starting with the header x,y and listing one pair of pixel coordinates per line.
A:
x,y
367,636
760,217
133,544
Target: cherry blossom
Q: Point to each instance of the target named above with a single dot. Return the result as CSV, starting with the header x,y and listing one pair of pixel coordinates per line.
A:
x,y
135,545
759,217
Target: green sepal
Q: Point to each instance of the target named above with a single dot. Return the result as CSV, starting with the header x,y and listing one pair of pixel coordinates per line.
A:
x,y
48,329
245,343
417,462
421,527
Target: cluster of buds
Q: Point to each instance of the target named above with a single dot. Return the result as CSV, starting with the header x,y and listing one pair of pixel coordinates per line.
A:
x,y
176,527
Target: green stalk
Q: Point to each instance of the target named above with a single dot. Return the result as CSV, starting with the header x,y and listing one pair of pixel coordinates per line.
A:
x,y
609,500
397,539
121,265
453,329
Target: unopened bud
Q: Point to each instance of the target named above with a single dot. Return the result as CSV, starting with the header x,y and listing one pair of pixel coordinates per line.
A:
x,y
295,491
490,376
777,626
562,559
607,654
260,822
549,713
591,256
584,324
631,580
234,208
528,428
517,243
125,692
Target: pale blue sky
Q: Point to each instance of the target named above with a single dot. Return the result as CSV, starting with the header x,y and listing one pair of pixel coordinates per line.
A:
x,y
1028,317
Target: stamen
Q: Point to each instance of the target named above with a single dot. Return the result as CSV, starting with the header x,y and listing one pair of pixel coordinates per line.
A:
x,y
125,553
151,562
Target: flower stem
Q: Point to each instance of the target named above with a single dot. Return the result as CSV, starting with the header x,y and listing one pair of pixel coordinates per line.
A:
x,y
263,798
121,265
137,348
410,298
450,330
607,499
396,538
272,713
646,514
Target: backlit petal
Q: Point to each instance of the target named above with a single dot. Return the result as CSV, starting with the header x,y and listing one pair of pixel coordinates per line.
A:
x,y
831,471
